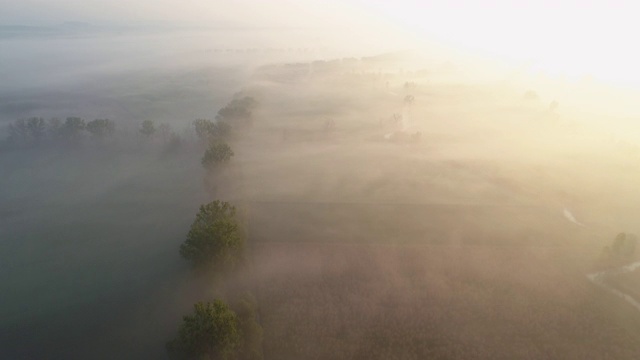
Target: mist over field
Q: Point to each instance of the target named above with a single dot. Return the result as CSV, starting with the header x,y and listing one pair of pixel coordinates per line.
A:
x,y
393,195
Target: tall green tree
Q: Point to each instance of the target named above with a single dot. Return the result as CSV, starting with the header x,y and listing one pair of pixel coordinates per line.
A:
x,y
215,239
210,333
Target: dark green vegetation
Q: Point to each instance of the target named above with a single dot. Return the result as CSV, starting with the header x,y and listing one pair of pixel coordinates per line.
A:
x,y
75,224
238,111
217,331
215,245
209,131
215,238
216,155
210,333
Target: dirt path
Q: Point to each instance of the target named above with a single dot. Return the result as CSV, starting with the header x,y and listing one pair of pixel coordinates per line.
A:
x,y
600,279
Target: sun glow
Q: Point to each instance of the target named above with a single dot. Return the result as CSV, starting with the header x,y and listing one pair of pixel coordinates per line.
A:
x,y
569,39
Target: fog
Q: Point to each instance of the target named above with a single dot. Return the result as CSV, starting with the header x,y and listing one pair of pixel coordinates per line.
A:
x,y
399,201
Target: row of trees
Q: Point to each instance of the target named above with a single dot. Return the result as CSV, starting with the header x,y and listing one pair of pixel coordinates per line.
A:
x,y
215,243
35,130
216,134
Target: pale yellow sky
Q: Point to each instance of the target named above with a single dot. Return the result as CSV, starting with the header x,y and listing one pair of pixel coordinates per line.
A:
x,y
571,38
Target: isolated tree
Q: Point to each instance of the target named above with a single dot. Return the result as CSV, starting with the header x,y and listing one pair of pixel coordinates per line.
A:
x,y
216,155
215,238
211,332
101,128
148,128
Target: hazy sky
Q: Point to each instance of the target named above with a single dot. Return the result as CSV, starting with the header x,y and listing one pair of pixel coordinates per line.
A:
x,y
572,38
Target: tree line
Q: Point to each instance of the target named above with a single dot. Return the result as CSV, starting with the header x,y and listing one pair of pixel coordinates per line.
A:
x,y
38,131
215,244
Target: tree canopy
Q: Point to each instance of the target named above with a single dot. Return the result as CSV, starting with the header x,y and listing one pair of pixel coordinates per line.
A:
x,y
208,130
237,110
216,154
71,129
215,237
210,333
251,333
101,128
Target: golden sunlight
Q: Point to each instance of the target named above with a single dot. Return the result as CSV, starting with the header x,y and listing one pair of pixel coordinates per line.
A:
x,y
569,39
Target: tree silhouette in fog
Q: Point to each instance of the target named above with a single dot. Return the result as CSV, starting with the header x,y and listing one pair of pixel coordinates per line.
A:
x,y
211,332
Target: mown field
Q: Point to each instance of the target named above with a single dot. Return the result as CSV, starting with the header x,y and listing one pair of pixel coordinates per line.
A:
x,y
361,301
448,245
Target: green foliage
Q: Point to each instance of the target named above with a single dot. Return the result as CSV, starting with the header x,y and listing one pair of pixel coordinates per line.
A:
x,y
203,128
251,333
237,110
101,128
148,128
216,155
210,333
208,130
215,237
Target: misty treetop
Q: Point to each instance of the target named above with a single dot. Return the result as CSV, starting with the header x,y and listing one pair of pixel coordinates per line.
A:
x,y
238,111
217,154
208,131
34,131
211,332
148,128
101,128
215,238
27,131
